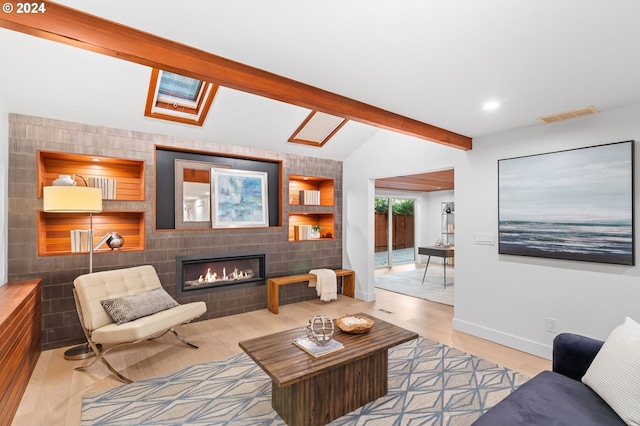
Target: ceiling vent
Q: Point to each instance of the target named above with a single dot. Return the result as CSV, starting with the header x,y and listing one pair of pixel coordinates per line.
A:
x,y
553,118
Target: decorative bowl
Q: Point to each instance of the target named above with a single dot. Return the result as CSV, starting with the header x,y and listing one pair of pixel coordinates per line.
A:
x,y
355,324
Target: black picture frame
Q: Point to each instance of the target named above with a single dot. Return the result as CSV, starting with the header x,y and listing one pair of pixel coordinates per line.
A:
x,y
575,204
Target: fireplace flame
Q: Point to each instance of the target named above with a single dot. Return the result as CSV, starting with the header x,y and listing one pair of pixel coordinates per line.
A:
x,y
213,277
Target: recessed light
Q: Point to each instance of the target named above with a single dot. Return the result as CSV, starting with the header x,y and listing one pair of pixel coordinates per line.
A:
x,y
491,105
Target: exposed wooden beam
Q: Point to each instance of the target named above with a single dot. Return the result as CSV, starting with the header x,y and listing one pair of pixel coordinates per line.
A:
x,y
79,29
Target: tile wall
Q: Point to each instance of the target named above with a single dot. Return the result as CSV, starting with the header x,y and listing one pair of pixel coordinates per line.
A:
x,y
60,324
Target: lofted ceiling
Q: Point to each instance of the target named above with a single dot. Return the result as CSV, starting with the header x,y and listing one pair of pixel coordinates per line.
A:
x,y
426,61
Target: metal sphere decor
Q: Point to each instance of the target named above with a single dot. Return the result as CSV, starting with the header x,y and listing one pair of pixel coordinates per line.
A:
x,y
320,329
115,241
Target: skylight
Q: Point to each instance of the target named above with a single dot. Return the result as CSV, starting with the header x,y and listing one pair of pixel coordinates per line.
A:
x,y
175,87
179,98
317,129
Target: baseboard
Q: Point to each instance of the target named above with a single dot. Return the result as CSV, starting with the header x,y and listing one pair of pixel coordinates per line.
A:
x,y
367,297
525,345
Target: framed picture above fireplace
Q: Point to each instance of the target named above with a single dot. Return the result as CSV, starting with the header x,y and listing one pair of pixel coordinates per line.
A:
x,y
575,205
239,198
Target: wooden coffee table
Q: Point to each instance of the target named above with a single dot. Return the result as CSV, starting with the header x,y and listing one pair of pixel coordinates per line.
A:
x,y
309,391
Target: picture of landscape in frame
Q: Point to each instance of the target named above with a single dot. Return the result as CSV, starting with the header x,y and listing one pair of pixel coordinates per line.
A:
x,y
240,198
574,205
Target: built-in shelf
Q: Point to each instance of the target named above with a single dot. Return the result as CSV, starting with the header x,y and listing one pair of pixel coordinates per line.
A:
x,y
306,192
54,230
128,174
324,186
54,236
325,220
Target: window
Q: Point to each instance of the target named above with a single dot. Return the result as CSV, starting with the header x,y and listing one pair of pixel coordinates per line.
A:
x,y
179,98
317,129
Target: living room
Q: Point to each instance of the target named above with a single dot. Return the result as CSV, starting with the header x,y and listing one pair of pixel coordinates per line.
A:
x,y
504,299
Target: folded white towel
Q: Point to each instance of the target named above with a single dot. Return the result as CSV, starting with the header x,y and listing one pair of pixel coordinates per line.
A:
x,y
326,284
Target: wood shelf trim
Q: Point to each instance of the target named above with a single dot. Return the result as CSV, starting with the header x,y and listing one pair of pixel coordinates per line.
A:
x,y
130,174
326,220
54,236
299,183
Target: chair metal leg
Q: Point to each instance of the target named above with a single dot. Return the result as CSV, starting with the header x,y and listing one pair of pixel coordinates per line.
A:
x,y
100,357
178,336
182,339
116,372
97,348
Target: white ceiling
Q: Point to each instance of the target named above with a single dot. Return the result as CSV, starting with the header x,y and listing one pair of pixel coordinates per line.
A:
x,y
437,61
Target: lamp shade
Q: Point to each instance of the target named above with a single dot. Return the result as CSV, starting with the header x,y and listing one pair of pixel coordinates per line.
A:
x,y
72,199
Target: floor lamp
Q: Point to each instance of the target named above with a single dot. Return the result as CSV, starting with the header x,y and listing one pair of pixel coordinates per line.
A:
x,y
75,199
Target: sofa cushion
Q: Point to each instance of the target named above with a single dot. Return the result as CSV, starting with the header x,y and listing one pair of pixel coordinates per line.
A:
x,y
129,308
92,288
614,373
551,399
147,327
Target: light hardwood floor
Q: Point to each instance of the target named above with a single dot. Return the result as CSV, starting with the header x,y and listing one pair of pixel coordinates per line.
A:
x,y
54,394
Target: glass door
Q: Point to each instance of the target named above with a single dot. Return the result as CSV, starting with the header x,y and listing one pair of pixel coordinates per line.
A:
x,y
403,235
381,233
394,237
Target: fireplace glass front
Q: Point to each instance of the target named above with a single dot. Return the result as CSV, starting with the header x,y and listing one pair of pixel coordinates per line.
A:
x,y
200,273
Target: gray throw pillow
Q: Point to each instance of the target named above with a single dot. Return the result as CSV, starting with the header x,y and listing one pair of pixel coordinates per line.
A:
x,y
129,308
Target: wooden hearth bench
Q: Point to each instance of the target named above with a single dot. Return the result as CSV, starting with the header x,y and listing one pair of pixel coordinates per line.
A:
x,y
273,284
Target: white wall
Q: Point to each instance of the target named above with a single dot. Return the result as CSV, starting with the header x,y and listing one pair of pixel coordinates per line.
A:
x,y
4,179
387,154
501,298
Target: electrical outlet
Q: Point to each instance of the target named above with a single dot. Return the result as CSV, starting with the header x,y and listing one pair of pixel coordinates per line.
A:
x,y
551,325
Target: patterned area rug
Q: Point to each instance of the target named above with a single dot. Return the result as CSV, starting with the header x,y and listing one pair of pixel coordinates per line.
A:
x,y
410,283
429,384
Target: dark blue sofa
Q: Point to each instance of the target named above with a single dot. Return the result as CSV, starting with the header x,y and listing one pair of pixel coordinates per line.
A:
x,y
558,397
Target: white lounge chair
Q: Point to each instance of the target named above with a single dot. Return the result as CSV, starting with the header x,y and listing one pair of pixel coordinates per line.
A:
x,y
104,334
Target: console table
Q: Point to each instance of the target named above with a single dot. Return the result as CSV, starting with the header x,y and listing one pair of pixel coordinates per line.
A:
x,y
438,251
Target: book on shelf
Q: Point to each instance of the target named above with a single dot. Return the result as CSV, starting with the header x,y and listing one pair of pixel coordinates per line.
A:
x,y
310,197
72,238
108,186
315,349
79,240
302,232
102,241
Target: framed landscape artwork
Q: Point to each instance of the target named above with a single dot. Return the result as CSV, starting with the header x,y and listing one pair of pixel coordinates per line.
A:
x,y
574,205
240,198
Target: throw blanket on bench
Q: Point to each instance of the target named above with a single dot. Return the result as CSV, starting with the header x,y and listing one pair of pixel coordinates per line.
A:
x,y
326,284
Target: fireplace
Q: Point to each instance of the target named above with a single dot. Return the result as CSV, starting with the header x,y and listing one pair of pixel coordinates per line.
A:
x,y
198,274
